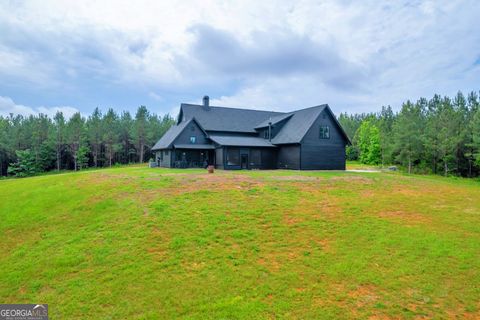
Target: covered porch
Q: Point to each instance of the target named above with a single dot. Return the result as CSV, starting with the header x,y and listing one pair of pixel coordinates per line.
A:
x,y
193,156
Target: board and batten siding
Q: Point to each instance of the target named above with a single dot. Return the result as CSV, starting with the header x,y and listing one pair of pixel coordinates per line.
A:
x,y
323,154
289,157
191,130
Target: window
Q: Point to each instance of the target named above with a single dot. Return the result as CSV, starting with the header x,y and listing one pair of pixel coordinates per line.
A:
x,y
160,156
193,139
233,157
166,152
324,132
255,157
266,135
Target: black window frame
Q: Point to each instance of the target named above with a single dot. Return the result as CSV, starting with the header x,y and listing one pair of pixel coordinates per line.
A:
x,y
233,152
324,132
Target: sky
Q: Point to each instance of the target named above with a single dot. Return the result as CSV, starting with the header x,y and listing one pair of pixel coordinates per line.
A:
x,y
356,56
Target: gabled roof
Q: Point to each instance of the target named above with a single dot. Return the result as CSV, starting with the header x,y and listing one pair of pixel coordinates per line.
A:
x,y
211,119
167,139
297,126
274,120
241,141
225,119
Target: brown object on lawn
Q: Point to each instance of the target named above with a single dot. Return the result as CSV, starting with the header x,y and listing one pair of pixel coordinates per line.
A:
x,y
210,169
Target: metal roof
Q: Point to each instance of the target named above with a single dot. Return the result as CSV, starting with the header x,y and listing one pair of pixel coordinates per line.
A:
x,y
226,119
213,119
297,126
167,139
241,141
274,120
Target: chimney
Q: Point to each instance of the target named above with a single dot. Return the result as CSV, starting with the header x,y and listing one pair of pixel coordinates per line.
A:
x,y
206,101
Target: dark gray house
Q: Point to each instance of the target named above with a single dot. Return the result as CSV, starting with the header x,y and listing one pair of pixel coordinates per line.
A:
x,y
231,138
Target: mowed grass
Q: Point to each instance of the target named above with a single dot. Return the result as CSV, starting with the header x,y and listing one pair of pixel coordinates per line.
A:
x,y
139,243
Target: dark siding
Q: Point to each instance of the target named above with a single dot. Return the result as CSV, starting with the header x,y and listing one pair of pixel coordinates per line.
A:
x,y
269,158
184,137
323,154
323,158
275,129
219,158
289,157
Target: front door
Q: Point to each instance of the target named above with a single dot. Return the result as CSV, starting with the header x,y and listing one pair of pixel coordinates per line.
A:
x,y
244,161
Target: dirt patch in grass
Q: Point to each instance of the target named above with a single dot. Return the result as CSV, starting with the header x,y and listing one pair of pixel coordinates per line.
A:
x,y
409,218
364,295
270,263
349,178
295,178
210,182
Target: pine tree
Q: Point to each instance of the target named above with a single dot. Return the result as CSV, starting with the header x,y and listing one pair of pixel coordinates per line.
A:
x,y
433,126
95,134
407,131
385,126
475,145
111,134
59,132
76,137
125,137
140,129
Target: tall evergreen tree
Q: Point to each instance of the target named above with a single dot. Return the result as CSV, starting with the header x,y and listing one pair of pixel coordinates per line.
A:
x,y
59,132
76,137
111,134
475,145
386,119
95,134
408,130
4,127
140,131
125,137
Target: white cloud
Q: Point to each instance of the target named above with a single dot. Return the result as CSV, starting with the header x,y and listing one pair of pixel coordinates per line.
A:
x,y
355,55
8,106
155,96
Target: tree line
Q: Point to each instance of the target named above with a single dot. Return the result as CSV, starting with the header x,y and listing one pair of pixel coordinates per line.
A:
x,y
37,143
440,136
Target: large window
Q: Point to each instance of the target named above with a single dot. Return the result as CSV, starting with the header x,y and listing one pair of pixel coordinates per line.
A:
x,y
324,132
233,157
255,157
193,139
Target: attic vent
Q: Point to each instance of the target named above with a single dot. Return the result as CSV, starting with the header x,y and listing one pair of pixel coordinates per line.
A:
x,y
206,101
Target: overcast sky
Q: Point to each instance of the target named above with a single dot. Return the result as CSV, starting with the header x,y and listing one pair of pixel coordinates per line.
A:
x,y
274,55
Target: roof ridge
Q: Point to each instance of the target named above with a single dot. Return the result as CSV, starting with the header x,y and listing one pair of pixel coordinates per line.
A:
x,y
234,108
257,110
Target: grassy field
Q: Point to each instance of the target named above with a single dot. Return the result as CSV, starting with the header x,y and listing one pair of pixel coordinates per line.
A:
x,y
143,243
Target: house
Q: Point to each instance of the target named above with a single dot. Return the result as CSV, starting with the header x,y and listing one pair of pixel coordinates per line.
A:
x,y
231,138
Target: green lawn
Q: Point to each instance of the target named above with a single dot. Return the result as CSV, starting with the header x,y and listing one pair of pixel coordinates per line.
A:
x,y
139,243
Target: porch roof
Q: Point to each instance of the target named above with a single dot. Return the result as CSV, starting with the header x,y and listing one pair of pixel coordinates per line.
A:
x,y
241,141
194,146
